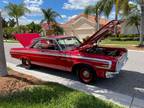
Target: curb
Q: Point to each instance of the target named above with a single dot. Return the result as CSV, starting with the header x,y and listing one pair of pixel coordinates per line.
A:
x,y
136,51
103,94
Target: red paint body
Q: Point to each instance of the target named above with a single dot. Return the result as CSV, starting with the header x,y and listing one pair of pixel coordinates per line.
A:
x,y
67,59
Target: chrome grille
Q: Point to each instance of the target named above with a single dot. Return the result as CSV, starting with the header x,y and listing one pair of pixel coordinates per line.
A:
x,y
121,61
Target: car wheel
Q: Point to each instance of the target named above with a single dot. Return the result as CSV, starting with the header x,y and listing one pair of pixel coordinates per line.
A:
x,y
26,63
86,74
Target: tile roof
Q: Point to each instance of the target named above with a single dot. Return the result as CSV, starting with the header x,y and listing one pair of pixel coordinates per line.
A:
x,y
90,18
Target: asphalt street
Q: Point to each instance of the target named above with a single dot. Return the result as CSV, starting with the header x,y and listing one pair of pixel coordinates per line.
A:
x,y
130,81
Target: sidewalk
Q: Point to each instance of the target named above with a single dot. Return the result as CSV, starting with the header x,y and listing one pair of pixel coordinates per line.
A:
x,y
96,91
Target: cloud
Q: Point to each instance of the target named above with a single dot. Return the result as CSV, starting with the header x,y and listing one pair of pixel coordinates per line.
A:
x,y
5,2
64,16
24,20
4,14
71,17
78,4
35,14
34,7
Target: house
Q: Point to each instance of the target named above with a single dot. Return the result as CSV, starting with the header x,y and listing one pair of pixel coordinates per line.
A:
x,y
127,29
82,26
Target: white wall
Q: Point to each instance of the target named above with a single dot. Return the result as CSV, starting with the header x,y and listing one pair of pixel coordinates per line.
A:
x,y
128,29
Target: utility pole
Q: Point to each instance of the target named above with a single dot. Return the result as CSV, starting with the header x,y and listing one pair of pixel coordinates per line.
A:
x,y
3,67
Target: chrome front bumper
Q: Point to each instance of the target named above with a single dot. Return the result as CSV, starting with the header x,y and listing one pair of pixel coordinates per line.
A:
x,y
111,74
119,65
121,61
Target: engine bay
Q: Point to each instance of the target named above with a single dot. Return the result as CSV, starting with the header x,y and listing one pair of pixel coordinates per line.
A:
x,y
103,51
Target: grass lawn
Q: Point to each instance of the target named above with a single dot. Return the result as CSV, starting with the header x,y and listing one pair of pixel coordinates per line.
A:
x,y
52,95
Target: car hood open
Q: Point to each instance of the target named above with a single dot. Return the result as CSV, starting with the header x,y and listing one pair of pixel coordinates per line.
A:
x,y
104,32
26,38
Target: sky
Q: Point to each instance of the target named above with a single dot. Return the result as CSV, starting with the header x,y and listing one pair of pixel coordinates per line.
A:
x,y
68,9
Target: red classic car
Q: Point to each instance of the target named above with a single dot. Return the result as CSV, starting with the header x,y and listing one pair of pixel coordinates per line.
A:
x,y
67,53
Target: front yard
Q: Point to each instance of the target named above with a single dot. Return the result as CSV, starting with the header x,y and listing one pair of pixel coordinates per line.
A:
x,y
22,91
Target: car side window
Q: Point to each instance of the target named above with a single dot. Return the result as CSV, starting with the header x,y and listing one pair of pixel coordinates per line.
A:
x,y
46,44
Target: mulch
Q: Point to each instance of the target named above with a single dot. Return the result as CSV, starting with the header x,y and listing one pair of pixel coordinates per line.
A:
x,y
15,81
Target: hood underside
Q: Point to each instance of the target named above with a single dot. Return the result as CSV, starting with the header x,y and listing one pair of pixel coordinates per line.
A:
x,y
26,39
102,33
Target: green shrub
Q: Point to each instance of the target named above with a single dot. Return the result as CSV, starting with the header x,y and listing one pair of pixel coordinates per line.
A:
x,y
122,37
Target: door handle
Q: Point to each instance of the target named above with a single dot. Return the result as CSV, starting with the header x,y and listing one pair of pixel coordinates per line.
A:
x,y
62,58
42,51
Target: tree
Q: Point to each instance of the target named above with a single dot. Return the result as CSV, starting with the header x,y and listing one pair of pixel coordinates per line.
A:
x,y
3,67
4,23
57,29
11,22
93,10
141,2
106,7
34,28
50,16
16,11
133,18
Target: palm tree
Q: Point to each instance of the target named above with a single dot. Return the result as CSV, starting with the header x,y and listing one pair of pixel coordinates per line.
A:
x,y
3,67
50,16
133,18
141,2
106,7
16,11
57,29
4,23
11,22
93,10
34,28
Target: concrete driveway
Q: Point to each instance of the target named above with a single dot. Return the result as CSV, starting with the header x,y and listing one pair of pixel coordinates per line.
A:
x,y
130,78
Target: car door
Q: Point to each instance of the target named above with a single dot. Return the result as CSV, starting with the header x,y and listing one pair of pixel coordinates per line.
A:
x,y
48,54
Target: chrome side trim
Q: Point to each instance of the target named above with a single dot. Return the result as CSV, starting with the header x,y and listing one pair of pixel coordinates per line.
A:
x,y
69,56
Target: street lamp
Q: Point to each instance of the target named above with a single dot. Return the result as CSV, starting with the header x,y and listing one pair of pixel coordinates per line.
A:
x,y
141,2
3,67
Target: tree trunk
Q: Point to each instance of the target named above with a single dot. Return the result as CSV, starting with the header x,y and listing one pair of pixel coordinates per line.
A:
x,y
115,28
97,22
3,67
142,25
49,25
137,29
17,23
117,4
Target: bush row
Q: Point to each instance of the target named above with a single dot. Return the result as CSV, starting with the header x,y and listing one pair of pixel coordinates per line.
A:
x,y
122,37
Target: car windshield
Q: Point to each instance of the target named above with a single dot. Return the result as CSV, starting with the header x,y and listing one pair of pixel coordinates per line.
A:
x,y
68,43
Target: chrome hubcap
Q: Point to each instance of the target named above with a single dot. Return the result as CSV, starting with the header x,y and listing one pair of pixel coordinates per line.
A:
x,y
27,63
86,74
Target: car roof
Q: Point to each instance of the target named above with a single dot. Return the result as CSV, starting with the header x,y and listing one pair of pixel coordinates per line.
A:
x,y
58,37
